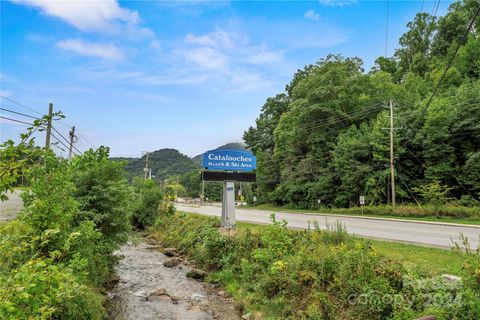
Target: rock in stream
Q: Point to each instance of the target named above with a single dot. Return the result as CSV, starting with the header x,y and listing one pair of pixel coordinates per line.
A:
x,y
148,290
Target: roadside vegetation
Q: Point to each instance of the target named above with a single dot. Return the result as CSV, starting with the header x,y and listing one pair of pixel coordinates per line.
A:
x,y
277,273
322,139
461,215
56,257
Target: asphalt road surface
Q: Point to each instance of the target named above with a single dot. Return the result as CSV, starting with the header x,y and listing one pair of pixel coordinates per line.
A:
x,y
427,234
10,208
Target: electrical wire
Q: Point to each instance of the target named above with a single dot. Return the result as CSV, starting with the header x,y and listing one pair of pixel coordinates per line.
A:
x,y
15,120
36,118
63,144
452,58
340,118
433,8
406,186
19,113
436,9
21,105
386,28
68,142
453,175
83,137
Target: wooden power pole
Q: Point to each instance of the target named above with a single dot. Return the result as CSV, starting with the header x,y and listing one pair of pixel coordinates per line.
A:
x,y
72,138
146,170
49,126
392,163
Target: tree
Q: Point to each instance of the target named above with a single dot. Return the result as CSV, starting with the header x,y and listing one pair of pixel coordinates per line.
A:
x,y
415,45
103,193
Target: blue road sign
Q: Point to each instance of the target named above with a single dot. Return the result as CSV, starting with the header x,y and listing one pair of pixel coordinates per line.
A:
x,y
229,160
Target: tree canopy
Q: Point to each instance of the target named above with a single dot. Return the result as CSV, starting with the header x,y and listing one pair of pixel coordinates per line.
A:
x,y
323,138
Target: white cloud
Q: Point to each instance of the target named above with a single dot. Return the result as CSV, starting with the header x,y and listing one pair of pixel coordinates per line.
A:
x,y
228,59
338,3
312,15
264,57
206,58
94,49
105,15
218,39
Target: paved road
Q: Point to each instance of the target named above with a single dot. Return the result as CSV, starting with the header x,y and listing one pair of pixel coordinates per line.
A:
x,y
428,234
10,208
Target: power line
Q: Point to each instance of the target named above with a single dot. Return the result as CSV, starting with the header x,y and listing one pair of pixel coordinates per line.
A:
x,y
36,118
386,28
68,142
406,186
15,120
421,8
341,117
19,113
83,137
63,144
451,60
444,165
433,8
436,9
21,105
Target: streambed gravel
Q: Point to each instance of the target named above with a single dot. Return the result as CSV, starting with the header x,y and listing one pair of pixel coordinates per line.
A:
x,y
146,289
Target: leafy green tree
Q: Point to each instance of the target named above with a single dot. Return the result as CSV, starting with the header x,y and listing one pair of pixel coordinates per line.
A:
x,y
147,206
415,45
261,140
453,26
103,193
324,137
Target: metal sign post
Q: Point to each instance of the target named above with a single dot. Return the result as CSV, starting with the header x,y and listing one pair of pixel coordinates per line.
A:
x,y
362,202
229,166
228,205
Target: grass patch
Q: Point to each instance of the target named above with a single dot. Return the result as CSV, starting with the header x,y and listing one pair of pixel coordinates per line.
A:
x,y
423,259
415,258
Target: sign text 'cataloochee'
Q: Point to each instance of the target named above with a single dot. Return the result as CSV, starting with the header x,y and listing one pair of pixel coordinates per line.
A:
x,y
229,160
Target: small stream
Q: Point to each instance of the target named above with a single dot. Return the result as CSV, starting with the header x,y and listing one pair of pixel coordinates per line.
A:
x,y
148,290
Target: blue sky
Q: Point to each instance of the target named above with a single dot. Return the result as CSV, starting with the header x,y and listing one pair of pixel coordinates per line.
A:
x,y
145,75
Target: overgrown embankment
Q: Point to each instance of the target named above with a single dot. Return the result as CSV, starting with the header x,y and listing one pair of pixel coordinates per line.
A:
x,y
283,274
56,256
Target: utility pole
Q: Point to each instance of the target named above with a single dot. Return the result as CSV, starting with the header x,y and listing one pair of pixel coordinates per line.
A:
x,y
49,126
176,191
392,164
146,170
72,138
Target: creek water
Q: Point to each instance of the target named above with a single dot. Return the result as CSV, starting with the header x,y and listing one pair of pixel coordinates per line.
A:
x,y
146,289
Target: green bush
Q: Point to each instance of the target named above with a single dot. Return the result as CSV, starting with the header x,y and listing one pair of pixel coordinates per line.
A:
x,y
147,206
57,255
40,289
103,194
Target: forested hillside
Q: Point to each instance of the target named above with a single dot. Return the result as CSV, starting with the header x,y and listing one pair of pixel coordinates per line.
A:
x,y
228,146
324,138
165,163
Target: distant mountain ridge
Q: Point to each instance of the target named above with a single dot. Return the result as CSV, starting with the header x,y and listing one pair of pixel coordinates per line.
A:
x,y
167,162
228,146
